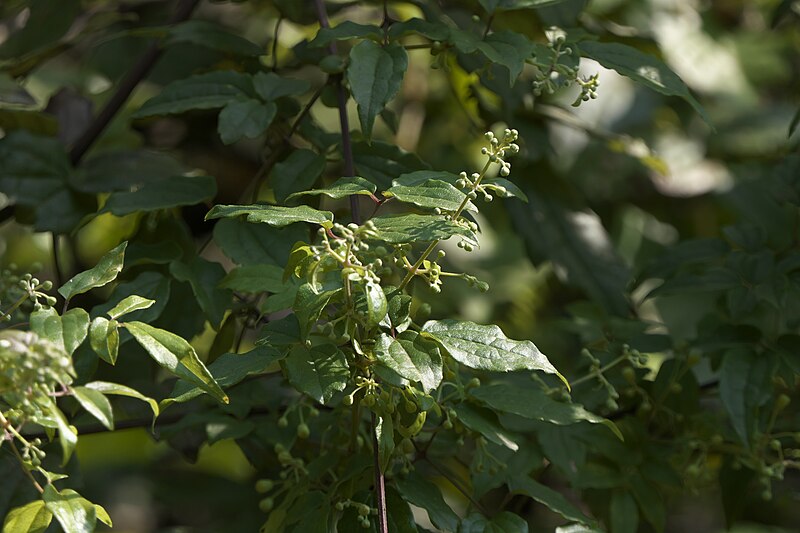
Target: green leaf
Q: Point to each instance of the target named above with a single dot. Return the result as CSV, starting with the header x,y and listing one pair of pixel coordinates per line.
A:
x,y
533,403
175,354
640,67
319,372
75,513
204,277
376,302
504,522
487,347
431,194
270,86
578,244
228,370
175,191
344,31
651,502
505,188
508,49
32,168
67,437
116,389
130,304
375,73
149,284
308,305
67,331
211,90
46,24
555,501
103,273
411,356
254,279
485,422
623,513
96,404
435,31
245,118
399,518
122,170
381,162
31,518
297,172
384,431
744,386
418,491
342,188
213,36
104,339
246,243
418,228
273,215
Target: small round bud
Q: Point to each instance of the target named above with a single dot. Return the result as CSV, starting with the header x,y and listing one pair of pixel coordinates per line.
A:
x,y
505,170
339,506
283,422
264,485
489,135
303,431
266,505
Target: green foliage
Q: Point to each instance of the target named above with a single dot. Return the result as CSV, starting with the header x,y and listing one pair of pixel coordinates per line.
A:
x,y
247,273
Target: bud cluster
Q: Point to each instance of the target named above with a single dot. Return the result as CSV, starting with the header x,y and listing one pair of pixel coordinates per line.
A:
x,y
559,69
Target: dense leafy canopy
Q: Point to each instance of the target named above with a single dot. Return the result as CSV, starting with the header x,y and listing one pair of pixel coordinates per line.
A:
x,y
285,240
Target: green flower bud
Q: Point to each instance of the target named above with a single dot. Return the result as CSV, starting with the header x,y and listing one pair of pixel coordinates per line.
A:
x,y
266,505
303,431
264,485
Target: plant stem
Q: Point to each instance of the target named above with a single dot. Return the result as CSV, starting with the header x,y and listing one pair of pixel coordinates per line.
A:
x,y
134,76
595,373
14,306
8,429
58,266
380,488
344,123
432,246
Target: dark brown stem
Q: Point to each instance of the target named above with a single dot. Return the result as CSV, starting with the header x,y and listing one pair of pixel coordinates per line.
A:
x,y
344,123
380,487
58,264
24,468
126,87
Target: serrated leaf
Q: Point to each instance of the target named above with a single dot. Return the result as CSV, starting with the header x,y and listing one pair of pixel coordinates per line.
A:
x,y
319,372
485,422
375,73
341,188
104,339
504,522
228,370
204,278
431,194
212,90
244,118
246,243
418,491
66,331
412,357
487,348
271,214
418,228
553,500
269,86
128,305
213,36
533,403
31,518
75,513
344,31
96,405
175,354
640,67
175,191
103,273
116,389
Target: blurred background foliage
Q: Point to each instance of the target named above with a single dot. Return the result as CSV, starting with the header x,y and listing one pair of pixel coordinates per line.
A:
x,y
625,191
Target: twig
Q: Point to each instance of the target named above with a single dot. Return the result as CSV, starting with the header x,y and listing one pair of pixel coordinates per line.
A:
x,y
134,76
58,265
380,487
344,123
